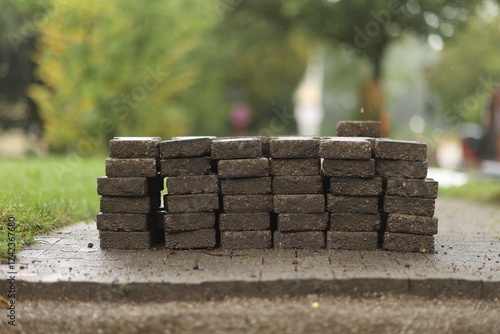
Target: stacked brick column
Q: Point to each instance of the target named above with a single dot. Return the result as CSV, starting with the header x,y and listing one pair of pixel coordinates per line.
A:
x,y
130,193
246,196
299,202
192,198
409,198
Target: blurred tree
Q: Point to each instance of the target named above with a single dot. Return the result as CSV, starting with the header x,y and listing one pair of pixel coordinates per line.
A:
x,y
116,67
469,70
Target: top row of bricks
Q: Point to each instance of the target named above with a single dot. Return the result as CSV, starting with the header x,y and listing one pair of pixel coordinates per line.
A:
x,y
349,145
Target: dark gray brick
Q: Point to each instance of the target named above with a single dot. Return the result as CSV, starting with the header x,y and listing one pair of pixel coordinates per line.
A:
x,y
312,184
122,186
235,168
246,239
358,129
115,204
345,148
352,240
355,222
288,222
123,222
412,224
401,242
295,167
191,239
426,188
197,184
250,221
178,222
185,147
134,147
246,186
186,166
308,203
354,204
409,205
191,203
356,186
400,150
237,148
136,167
402,169
293,147
247,203
349,168
299,240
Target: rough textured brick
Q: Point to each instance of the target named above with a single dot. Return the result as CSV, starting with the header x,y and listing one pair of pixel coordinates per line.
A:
x,y
115,204
412,224
358,129
295,167
355,204
191,239
185,147
191,203
345,148
122,186
401,242
136,167
178,222
237,148
123,222
409,205
125,240
312,184
400,150
293,147
247,203
246,186
402,169
426,188
197,184
352,240
134,147
356,186
349,168
235,168
299,240
246,239
186,166
302,222
355,222
250,221
309,203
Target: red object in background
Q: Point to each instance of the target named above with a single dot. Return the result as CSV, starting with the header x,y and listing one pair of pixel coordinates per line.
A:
x,y
241,116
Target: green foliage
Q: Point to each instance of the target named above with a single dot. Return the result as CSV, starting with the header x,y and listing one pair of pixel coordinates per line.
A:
x,y
468,71
479,191
41,198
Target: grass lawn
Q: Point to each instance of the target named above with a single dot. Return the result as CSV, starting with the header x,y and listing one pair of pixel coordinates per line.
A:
x,y
43,194
479,191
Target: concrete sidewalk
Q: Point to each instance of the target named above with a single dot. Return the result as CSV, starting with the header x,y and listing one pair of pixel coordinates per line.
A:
x,y
467,264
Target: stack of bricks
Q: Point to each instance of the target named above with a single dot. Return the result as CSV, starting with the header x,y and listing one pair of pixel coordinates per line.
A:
x,y
130,194
353,192
299,202
192,201
409,198
246,194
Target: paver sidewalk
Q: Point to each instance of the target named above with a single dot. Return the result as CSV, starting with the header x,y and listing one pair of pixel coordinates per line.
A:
x,y
63,266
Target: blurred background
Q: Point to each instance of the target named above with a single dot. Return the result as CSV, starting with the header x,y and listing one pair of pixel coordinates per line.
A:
x,y
75,73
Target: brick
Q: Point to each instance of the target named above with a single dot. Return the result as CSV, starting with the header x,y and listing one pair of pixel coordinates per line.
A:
x,y
356,186
243,168
246,239
288,222
293,147
355,222
246,186
191,203
237,148
115,204
125,240
186,166
191,239
123,222
402,169
308,203
299,240
311,184
401,242
354,204
122,186
409,205
178,222
247,203
295,167
358,129
352,240
250,221
400,150
345,148
427,188
399,223
136,167
196,184
186,147
349,168
134,147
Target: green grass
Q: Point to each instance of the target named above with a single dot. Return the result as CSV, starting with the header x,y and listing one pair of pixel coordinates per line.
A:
x,y
44,194
479,191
